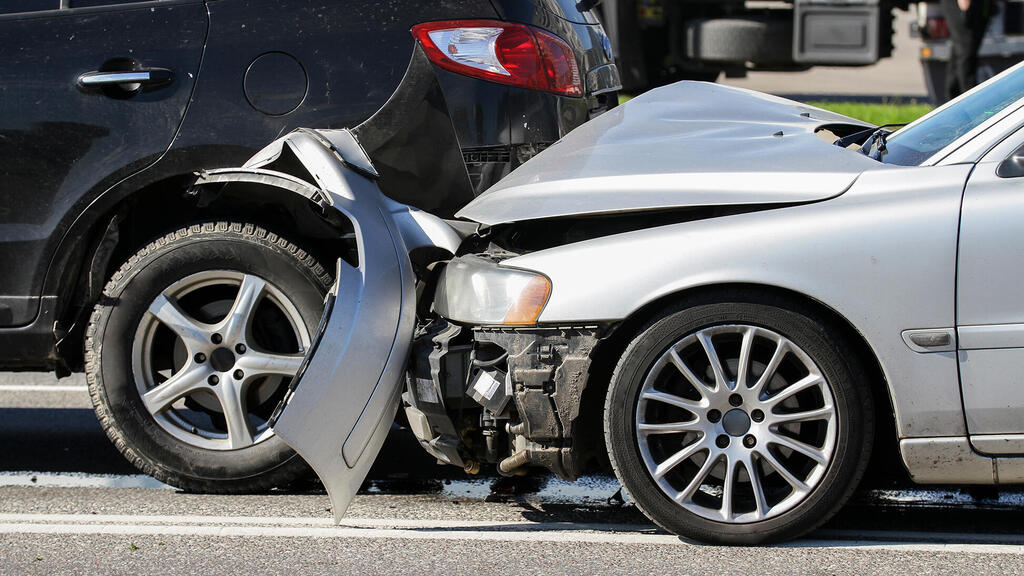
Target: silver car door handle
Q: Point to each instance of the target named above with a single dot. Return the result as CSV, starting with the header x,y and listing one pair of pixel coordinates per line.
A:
x,y
148,76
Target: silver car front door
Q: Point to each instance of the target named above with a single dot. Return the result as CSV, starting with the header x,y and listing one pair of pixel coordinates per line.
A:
x,y
990,300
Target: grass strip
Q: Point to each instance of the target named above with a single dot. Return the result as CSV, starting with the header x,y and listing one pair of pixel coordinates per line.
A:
x,y
875,113
878,114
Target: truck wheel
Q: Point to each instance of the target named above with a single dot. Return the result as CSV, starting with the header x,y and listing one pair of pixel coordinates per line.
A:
x,y
766,41
191,347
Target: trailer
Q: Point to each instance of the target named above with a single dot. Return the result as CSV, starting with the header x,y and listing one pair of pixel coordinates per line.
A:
x,y
661,41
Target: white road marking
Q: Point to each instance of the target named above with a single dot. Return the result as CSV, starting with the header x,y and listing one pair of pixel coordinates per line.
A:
x,y
80,480
339,532
323,527
587,491
248,520
43,388
404,529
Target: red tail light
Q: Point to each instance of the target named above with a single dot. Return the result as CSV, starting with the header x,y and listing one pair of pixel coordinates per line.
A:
x,y
937,28
513,54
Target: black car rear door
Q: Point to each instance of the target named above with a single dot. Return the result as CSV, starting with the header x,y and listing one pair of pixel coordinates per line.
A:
x,y
91,92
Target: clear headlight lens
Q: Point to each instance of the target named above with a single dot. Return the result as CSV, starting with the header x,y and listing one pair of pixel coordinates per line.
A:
x,y
477,291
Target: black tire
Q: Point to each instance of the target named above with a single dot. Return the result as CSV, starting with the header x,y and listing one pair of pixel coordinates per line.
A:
x,y
231,246
737,40
801,325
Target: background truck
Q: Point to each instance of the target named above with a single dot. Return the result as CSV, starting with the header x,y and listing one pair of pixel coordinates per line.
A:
x,y
661,41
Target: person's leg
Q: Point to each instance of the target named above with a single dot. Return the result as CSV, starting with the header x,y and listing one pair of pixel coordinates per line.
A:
x,y
960,70
976,18
952,75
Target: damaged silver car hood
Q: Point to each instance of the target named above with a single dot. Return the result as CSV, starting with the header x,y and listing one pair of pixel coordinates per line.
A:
x,y
687,144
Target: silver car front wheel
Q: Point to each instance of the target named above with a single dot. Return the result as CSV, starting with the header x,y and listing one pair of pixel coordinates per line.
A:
x,y
756,419
738,422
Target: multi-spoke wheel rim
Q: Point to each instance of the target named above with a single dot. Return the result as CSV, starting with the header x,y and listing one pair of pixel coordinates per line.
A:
x,y
213,354
736,423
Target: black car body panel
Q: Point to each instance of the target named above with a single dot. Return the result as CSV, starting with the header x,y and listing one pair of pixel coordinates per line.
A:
x,y
60,142
85,180
535,119
424,173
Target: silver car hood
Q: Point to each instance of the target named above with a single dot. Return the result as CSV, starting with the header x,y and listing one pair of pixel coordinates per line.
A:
x,y
687,144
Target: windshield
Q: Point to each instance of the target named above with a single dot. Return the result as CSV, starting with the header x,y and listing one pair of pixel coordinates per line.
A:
x,y
916,143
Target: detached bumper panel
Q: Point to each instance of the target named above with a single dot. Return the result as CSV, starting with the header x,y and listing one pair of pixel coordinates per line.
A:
x,y
342,405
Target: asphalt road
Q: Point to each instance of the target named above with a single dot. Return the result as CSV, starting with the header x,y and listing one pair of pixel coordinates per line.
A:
x,y
69,505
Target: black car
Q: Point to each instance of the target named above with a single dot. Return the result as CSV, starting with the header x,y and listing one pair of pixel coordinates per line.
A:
x,y
110,110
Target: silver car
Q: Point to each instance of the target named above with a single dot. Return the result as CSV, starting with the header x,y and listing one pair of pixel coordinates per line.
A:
x,y
723,292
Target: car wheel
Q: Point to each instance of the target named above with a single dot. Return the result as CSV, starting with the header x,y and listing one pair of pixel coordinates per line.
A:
x,y
191,347
738,422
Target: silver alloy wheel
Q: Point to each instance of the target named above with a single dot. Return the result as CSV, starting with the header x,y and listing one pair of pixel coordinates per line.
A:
x,y
736,423
204,378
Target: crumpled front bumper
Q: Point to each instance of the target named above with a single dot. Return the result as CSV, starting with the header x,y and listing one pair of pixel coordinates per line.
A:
x,y
343,402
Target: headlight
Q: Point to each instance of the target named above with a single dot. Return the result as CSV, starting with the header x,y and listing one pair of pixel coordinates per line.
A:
x,y
477,291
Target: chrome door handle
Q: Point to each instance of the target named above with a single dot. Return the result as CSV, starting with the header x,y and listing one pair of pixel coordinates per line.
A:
x,y
145,77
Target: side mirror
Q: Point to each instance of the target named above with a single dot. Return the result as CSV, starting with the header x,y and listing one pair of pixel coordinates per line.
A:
x,y
1012,167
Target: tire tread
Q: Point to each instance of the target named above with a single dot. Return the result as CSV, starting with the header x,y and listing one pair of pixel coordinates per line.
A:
x,y
282,474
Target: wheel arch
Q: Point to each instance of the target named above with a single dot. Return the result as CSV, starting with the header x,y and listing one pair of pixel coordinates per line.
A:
x,y
610,349
111,234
